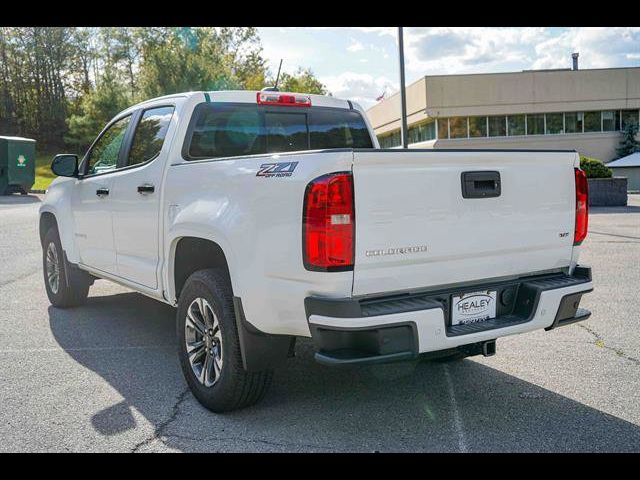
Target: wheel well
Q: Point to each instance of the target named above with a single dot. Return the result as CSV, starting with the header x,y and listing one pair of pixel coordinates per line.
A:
x,y
47,220
193,254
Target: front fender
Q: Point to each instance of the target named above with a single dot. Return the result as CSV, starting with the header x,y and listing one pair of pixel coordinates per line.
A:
x,y
57,202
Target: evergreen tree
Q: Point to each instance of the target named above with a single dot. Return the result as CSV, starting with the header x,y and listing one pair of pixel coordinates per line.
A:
x,y
629,144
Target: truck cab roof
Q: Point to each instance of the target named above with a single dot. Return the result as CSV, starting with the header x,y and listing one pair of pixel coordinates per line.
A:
x,y
250,96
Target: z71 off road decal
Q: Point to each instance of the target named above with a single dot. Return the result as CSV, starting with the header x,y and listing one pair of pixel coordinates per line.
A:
x,y
281,169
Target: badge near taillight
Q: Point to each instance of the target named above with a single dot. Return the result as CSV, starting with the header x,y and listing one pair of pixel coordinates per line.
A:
x,y
328,223
582,207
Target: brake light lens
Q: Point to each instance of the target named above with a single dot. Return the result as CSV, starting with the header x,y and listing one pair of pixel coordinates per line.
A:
x,y
283,99
328,223
582,207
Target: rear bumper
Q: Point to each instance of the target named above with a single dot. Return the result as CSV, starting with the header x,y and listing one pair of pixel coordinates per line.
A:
x,y
399,327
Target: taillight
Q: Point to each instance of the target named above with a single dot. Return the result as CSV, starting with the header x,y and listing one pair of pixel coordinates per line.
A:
x,y
582,207
283,99
328,223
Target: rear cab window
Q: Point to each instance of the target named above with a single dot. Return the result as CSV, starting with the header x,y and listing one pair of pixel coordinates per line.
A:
x,y
221,130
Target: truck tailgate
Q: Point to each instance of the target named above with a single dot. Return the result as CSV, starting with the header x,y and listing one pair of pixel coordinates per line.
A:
x,y
415,230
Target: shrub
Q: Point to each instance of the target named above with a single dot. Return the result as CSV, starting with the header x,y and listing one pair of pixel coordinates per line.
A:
x,y
594,168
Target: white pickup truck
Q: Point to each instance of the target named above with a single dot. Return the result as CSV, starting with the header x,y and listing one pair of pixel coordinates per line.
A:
x,y
267,216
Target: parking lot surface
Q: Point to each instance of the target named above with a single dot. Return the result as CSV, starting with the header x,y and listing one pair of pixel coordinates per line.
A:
x,y
105,376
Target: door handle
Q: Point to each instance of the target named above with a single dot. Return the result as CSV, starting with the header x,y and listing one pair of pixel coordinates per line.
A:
x,y
146,188
101,192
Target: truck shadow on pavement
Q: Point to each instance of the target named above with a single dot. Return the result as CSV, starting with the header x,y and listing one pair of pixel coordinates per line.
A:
x,y
129,340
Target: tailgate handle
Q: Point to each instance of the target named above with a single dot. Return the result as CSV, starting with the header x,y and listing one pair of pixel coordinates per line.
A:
x,y
481,184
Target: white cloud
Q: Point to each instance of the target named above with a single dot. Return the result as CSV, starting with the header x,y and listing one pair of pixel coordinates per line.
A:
x,y
444,50
359,87
355,46
392,31
369,65
598,48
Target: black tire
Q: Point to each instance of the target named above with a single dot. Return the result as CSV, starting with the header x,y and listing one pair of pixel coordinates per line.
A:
x,y
235,388
71,291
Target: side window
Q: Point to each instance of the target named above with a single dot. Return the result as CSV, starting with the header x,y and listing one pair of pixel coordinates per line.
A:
x,y
149,135
103,157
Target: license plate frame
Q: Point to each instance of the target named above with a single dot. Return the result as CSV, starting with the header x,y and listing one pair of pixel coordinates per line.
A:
x,y
473,307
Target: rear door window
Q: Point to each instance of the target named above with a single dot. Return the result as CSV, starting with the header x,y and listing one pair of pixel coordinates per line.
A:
x,y
103,156
149,135
230,130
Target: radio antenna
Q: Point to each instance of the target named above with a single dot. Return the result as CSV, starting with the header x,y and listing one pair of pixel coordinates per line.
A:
x,y
278,76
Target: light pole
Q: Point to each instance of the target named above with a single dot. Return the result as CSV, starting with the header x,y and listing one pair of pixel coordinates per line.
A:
x,y
403,97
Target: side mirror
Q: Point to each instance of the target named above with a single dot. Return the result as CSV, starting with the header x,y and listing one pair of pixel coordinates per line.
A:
x,y
65,165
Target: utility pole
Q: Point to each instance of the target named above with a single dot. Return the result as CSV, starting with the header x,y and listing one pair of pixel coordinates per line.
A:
x,y
403,97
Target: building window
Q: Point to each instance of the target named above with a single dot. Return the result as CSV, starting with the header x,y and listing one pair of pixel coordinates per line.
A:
x,y
554,123
390,140
516,125
592,122
443,128
610,120
477,126
422,132
498,126
458,127
535,124
629,116
573,122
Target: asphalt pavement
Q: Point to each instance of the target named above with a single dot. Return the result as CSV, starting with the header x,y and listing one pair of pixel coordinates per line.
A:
x,y
105,377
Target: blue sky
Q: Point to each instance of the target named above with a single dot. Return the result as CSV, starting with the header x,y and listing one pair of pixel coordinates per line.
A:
x,y
361,63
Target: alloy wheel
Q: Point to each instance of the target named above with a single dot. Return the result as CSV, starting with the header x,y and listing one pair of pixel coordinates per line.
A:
x,y
53,268
203,340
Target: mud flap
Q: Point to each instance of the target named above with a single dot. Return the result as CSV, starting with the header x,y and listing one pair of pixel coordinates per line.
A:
x,y
260,350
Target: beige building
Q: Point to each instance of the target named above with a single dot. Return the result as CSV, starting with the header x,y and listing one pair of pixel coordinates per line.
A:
x,y
534,109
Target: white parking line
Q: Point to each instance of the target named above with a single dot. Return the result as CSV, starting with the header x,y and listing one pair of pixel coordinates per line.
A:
x,y
457,420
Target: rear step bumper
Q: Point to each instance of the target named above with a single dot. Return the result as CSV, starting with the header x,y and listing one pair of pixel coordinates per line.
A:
x,y
399,327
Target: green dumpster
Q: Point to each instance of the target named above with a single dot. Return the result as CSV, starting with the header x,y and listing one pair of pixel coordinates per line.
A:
x,y
17,164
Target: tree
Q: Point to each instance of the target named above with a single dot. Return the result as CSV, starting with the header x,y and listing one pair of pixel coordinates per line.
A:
x,y
37,70
61,85
206,58
123,55
96,109
628,144
303,81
